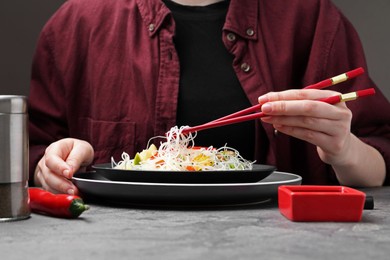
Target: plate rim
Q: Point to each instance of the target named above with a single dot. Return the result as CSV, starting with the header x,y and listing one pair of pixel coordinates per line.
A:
x,y
261,182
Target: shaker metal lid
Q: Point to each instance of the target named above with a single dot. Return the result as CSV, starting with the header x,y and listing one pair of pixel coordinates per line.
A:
x,y
13,104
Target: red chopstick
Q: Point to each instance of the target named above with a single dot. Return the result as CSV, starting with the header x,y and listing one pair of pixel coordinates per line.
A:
x,y
320,85
349,96
243,115
337,79
331,100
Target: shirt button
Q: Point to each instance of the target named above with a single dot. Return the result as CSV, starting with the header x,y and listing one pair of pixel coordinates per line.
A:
x,y
245,67
231,37
151,27
250,32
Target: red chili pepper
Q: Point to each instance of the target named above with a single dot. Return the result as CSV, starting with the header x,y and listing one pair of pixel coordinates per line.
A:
x,y
57,205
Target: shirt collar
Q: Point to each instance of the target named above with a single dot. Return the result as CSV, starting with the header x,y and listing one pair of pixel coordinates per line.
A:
x,y
153,13
242,16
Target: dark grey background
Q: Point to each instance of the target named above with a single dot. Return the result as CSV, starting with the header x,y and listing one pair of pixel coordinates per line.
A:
x,y
22,20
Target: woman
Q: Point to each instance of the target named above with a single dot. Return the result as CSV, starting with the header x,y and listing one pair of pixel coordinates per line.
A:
x,y
109,75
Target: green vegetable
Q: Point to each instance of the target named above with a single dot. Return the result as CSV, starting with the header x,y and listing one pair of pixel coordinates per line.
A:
x,y
137,159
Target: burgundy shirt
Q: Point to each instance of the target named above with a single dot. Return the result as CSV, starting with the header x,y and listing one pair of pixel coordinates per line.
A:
x,y
106,71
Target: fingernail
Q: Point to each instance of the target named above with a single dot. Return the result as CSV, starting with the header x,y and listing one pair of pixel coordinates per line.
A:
x,y
66,173
263,99
266,108
70,191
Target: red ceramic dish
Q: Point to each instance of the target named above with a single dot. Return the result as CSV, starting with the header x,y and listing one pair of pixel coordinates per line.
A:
x,y
321,203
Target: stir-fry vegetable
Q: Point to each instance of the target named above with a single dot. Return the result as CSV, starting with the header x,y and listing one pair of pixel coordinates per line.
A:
x,y
178,153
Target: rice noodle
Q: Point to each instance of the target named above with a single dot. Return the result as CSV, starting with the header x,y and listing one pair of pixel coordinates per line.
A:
x,y
178,153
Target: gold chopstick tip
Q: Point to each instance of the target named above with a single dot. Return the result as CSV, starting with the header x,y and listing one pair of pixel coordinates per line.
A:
x,y
340,78
348,97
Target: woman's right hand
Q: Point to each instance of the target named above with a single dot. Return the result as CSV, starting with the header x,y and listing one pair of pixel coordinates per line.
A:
x,y
60,161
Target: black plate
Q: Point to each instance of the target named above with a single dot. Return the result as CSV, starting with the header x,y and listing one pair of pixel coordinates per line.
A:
x,y
258,173
95,187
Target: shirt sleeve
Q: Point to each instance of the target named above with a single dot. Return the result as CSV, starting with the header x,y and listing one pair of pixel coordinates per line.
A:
x,y
336,48
371,115
47,105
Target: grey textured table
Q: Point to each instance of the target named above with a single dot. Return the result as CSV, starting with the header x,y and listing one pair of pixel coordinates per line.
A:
x,y
256,232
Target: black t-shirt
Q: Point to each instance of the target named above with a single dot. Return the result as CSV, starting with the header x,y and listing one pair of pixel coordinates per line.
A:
x,y
209,87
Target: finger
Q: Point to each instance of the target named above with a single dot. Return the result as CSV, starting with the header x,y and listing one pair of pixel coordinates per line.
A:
x,y
81,155
296,94
308,108
54,160
55,183
326,126
58,184
331,144
66,156
314,137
